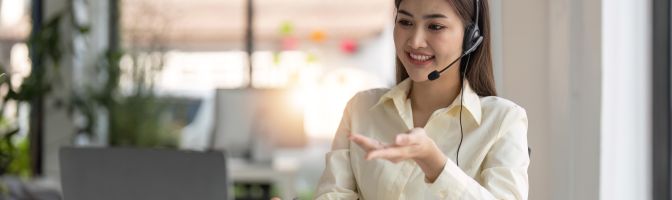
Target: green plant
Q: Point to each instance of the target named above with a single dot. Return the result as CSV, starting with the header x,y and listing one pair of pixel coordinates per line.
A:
x,y
14,149
133,118
46,50
17,154
137,116
137,121
93,99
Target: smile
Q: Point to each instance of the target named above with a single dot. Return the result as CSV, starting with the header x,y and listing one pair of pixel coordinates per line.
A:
x,y
420,59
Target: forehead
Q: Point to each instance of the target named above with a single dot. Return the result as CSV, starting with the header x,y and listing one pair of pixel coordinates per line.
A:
x,y
424,7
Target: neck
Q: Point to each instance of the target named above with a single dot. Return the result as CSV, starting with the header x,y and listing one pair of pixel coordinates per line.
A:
x,y
433,95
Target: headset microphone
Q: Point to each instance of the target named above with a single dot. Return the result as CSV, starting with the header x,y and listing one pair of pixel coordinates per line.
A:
x,y
436,74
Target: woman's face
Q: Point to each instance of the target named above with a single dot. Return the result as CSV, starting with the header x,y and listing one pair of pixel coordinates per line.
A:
x,y
427,37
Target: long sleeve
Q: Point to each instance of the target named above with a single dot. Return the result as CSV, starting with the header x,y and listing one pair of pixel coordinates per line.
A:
x,y
504,174
338,181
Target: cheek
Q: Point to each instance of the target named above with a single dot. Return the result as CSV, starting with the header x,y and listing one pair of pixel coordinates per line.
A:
x,y
399,41
448,46
398,37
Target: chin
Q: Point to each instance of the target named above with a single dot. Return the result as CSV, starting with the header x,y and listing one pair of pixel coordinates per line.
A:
x,y
418,76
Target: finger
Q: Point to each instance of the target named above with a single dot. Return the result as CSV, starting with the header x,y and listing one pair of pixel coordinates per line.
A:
x,y
386,154
407,139
395,153
366,143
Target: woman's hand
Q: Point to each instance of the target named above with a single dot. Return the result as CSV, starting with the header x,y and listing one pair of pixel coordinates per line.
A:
x,y
414,145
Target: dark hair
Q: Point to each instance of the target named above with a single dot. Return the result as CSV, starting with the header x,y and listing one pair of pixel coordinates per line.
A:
x,y
479,73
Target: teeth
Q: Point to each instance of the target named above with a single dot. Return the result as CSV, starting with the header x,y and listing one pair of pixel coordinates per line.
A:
x,y
420,57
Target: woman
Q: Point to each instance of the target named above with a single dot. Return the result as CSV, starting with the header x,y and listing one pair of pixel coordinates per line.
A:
x,y
430,136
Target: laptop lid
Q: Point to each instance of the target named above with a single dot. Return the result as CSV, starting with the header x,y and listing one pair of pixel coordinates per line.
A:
x,y
142,174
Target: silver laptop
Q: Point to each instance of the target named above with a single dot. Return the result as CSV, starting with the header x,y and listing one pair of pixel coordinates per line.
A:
x,y
142,174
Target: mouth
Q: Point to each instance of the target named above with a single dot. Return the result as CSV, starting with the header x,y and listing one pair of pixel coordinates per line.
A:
x,y
419,59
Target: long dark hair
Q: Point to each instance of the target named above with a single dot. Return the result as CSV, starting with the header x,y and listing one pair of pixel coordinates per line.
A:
x,y
479,73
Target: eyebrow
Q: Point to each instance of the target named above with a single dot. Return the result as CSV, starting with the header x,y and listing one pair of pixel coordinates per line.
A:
x,y
430,16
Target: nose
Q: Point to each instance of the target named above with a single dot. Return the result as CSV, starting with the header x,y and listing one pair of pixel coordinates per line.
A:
x,y
417,39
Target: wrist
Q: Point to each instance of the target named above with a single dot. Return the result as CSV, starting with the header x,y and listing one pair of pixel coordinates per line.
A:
x,y
432,163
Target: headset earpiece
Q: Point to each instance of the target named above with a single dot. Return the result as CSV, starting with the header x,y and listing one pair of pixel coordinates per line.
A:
x,y
472,34
472,39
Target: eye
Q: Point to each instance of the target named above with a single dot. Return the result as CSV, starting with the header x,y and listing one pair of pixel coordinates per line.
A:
x,y
404,22
435,27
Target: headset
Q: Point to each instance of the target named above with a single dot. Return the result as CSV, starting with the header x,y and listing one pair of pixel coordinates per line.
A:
x,y
472,40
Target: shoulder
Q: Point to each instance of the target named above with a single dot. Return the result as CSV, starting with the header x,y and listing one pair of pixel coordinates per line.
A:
x,y
502,109
495,103
367,98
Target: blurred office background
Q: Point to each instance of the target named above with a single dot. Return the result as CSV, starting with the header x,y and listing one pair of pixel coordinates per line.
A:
x,y
266,81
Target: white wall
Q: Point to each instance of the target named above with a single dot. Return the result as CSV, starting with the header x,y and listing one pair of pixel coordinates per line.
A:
x,y
552,67
524,80
581,69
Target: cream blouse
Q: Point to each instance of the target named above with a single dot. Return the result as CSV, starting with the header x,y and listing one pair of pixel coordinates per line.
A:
x,y
493,157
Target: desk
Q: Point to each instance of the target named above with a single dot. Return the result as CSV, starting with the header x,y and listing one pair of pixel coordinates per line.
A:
x,y
247,172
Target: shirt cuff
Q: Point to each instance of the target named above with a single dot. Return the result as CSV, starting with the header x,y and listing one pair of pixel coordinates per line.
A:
x,y
451,182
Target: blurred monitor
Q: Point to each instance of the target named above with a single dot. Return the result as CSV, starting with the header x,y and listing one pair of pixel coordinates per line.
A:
x,y
251,123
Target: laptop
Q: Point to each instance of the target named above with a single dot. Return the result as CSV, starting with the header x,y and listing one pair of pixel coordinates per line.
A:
x,y
142,174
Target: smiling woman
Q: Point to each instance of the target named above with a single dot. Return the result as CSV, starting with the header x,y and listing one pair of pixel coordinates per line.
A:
x,y
413,141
